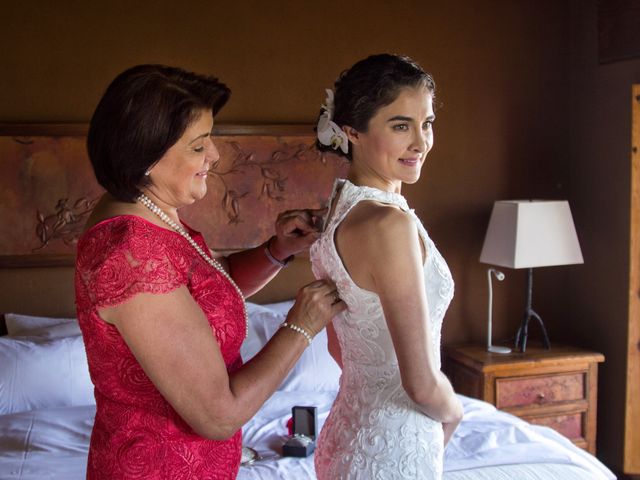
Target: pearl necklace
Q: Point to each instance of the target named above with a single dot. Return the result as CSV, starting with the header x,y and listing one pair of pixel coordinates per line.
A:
x,y
146,201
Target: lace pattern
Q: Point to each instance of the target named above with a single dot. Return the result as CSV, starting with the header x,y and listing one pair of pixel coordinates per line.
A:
x,y
137,434
374,430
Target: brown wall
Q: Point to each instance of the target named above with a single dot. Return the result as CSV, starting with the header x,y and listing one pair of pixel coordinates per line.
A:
x,y
498,68
526,112
600,165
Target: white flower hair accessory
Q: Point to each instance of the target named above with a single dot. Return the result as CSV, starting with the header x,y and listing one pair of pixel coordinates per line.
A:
x,y
329,133
328,103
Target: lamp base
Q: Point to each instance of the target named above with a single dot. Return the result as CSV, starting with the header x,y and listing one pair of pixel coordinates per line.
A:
x,y
523,331
496,349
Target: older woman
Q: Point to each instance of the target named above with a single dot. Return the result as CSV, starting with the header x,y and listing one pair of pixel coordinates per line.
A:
x,y
162,319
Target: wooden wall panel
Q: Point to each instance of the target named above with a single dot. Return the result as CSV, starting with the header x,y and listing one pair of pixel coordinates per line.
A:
x,y
632,410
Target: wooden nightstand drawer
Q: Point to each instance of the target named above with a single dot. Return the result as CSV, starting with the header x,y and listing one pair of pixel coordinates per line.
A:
x,y
539,390
568,425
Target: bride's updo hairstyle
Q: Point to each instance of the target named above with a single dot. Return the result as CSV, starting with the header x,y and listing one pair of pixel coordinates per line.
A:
x,y
369,85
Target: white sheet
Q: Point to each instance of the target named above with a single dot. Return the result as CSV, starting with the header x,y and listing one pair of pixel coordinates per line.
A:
x,y
489,444
488,436
49,443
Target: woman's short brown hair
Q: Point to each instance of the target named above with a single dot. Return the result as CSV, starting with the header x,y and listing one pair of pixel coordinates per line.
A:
x,y
144,111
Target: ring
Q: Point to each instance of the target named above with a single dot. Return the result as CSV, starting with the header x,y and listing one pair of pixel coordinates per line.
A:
x,y
300,439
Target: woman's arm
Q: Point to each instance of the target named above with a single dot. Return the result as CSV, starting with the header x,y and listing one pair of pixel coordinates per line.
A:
x,y
296,230
382,250
171,338
333,345
251,269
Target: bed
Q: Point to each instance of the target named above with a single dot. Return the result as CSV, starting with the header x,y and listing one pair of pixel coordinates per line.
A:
x,y
46,396
47,409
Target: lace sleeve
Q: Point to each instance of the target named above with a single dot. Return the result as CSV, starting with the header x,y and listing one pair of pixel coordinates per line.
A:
x,y
118,263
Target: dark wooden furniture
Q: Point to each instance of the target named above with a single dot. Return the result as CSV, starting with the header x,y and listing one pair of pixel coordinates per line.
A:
x,y
557,388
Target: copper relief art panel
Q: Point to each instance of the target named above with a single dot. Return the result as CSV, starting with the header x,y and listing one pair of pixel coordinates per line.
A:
x,y
48,189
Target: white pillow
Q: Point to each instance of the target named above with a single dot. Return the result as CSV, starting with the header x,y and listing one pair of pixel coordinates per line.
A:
x,y
39,373
19,325
62,330
315,371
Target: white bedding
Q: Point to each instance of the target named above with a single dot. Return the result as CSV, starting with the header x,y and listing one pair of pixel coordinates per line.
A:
x,y
53,443
45,431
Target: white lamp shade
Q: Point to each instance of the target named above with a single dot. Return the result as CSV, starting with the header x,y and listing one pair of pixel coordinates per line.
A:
x,y
531,233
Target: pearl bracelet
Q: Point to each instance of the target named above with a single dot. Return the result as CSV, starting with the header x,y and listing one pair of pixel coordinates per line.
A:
x,y
298,329
274,260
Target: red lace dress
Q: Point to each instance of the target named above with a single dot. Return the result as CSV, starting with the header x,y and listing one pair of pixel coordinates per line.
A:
x,y
137,434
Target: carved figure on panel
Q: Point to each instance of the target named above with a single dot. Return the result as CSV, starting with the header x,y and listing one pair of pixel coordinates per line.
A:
x,y
65,223
273,180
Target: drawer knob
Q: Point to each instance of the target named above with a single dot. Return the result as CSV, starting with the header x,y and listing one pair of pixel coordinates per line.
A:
x,y
541,397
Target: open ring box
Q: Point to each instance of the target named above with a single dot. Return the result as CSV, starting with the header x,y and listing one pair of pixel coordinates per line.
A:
x,y
305,425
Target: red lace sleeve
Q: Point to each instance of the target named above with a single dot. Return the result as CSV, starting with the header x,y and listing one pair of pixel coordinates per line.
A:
x,y
124,256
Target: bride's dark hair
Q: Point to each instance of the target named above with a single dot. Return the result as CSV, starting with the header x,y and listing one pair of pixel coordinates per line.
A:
x,y
371,84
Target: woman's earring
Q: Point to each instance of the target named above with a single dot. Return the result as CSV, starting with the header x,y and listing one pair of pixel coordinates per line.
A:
x,y
147,173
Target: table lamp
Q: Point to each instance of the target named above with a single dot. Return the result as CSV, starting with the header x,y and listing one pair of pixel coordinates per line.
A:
x,y
530,234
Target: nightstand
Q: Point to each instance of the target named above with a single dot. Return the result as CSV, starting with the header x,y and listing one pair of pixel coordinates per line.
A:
x,y
557,387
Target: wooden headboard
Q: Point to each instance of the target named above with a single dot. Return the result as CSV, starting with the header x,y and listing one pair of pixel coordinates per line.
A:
x,y
48,189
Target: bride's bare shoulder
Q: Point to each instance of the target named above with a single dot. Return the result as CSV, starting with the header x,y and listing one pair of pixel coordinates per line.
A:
x,y
370,214
372,222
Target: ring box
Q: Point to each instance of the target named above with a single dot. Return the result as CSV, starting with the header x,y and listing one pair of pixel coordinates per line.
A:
x,y
303,441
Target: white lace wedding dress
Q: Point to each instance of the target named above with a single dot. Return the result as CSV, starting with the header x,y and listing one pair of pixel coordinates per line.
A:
x,y
374,430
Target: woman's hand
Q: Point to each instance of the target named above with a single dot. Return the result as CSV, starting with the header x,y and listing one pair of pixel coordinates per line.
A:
x,y
450,427
316,304
296,230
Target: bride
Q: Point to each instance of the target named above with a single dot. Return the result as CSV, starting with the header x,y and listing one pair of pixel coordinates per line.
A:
x,y
395,410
